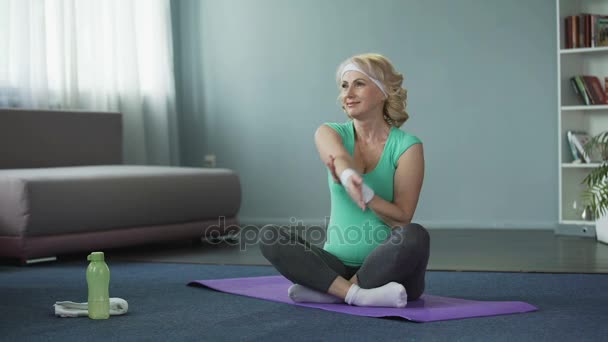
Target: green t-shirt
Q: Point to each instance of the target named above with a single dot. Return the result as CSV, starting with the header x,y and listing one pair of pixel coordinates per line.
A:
x,y
352,233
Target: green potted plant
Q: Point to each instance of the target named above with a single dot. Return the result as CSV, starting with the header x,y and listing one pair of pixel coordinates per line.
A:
x,y
596,193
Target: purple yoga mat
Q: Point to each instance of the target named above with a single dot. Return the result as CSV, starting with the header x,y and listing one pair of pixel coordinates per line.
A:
x,y
425,309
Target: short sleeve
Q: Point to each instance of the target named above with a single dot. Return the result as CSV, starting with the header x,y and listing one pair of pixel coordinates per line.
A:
x,y
404,143
341,128
345,130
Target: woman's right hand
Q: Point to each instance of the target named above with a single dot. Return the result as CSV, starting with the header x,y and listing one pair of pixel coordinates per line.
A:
x,y
354,189
354,186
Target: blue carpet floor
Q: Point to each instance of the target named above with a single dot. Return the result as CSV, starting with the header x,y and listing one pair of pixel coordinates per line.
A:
x,y
162,307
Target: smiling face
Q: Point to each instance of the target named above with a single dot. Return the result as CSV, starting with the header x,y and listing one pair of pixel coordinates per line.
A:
x,y
360,96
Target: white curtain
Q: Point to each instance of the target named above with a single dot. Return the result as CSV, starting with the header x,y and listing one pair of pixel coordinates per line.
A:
x,y
114,55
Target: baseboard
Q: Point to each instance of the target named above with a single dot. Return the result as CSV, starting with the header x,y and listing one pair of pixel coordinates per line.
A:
x,y
580,231
281,221
479,224
429,224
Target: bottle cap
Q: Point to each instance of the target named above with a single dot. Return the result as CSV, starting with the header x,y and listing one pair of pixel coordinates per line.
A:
x,y
95,256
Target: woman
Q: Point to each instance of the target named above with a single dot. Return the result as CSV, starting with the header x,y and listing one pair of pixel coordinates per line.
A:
x,y
374,255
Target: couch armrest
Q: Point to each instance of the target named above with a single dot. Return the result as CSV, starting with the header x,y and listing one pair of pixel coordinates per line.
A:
x,y
50,138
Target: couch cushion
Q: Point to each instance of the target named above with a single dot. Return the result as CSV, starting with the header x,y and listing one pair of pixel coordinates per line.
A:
x,y
46,201
46,138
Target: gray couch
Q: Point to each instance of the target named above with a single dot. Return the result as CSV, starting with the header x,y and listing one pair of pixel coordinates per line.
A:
x,y
64,189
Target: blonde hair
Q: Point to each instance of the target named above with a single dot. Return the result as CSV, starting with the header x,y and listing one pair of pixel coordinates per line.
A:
x,y
380,68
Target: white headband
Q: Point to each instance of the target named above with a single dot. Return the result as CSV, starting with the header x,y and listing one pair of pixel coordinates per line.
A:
x,y
352,67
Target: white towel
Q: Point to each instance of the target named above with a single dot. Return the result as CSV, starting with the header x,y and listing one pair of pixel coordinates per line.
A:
x,y
118,306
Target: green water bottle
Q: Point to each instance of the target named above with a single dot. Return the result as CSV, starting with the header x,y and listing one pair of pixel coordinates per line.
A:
x,y
98,280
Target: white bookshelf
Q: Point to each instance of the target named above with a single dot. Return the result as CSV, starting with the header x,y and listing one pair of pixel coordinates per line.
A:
x,y
572,115
578,223
595,50
580,166
584,108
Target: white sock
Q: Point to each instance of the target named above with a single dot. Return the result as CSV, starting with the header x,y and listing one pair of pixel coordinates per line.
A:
x,y
390,295
303,294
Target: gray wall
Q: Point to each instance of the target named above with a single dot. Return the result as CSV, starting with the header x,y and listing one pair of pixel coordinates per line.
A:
x,y
256,78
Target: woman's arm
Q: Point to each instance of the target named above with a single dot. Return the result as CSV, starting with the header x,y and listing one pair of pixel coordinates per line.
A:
x,y
330,146
337,159
408,183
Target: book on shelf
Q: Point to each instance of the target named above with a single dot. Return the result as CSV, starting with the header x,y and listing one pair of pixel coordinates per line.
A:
x,y
585,30
606,88
594,88
576,158
589,89
602,31
579,89
577,140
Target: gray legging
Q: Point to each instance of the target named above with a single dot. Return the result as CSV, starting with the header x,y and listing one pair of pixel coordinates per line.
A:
x,y
401,258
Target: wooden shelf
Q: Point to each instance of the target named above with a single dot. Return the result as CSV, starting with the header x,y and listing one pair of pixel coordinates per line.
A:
x,y
591,107
578,223
583,50
580,166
